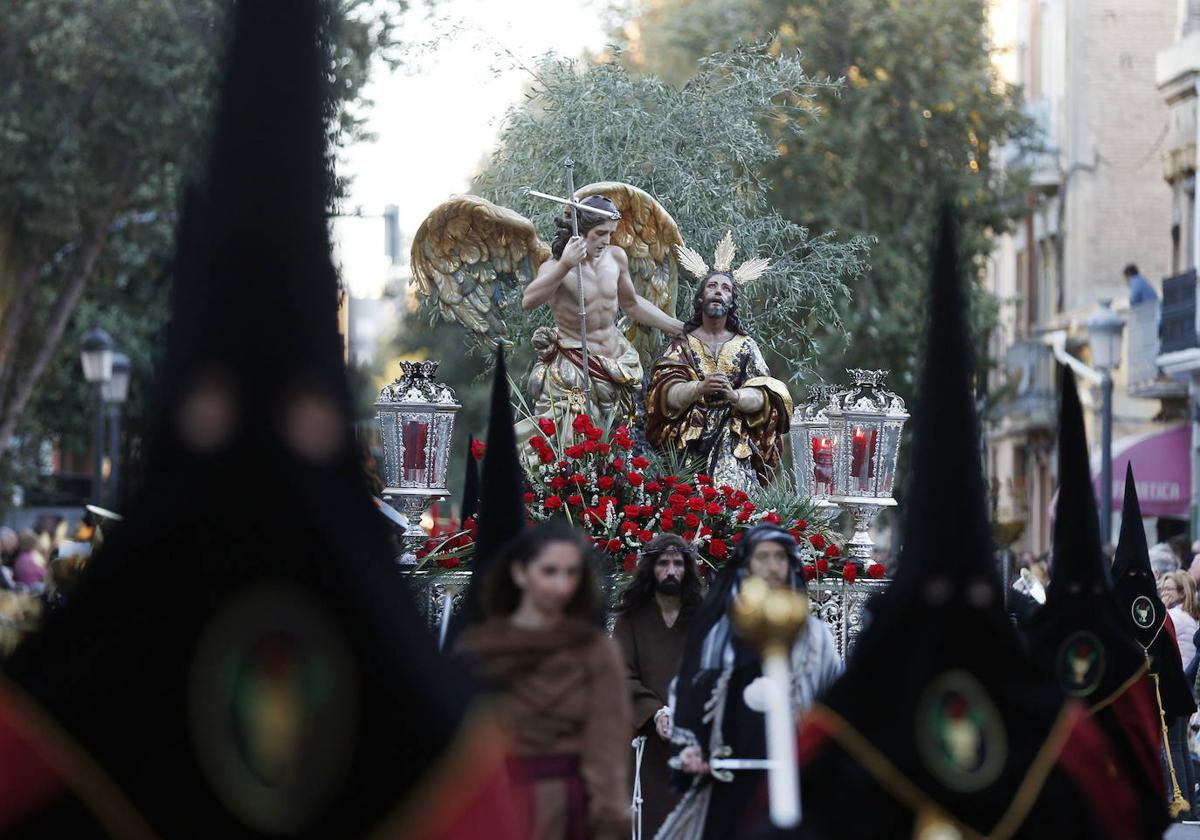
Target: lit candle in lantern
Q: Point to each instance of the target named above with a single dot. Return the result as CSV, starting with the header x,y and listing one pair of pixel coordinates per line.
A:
x,y
416,436
822,455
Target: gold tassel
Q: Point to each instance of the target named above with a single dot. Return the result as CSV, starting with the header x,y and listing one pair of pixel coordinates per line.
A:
x,y
931,824
1179,805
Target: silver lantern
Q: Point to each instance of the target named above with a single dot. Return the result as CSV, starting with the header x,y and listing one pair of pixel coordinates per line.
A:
x,y
416,425
866,421
813,446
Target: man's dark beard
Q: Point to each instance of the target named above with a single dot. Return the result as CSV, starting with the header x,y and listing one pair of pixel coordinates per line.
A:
x,y
708,308
670,587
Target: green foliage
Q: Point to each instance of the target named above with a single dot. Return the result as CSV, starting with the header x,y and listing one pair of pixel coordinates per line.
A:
x,y
920,120
704,150
104,112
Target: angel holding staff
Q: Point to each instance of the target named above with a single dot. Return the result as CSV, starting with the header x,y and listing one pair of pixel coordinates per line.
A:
x,y
471,256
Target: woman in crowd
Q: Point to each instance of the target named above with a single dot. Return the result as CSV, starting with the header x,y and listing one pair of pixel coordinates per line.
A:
x,y
557,683
1178,595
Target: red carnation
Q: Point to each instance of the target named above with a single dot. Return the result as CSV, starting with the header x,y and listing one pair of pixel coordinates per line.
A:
x,y
554,502
635,479
706,531
667,521
801,525
630,563
605,482
528,498
537,442
708,492
618,464
743,517
749,507
849,573
670,480
589,446
632,511
581,423
679,509
703,479
876,570
575,451
736,538
607,502
575,500
809,572
817,541
614,544
688,536
558,483
822,565
832,551
547,426
653,487
645,536
726,490
604,448
640,463
696,504
645,511
629,527
578,478
713,508
718,548
449,562
593,434
683,489
545,456
692,521
773,518
478,450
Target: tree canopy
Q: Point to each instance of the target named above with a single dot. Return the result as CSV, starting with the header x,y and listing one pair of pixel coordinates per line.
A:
x,y
104,110
921,119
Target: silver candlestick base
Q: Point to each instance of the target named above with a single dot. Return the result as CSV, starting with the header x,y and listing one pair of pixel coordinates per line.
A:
x,y
861,548
412,507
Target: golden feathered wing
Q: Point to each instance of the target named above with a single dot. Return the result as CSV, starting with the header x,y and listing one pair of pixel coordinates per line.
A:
x,y
648,235
472,257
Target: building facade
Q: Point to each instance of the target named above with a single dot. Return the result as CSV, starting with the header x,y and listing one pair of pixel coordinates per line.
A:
x,y
1096,202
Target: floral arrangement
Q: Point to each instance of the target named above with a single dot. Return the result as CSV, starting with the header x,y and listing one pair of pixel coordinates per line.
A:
x,y
621,501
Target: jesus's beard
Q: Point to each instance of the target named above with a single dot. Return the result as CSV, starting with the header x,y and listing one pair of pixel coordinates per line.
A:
x,y
670,587
716,309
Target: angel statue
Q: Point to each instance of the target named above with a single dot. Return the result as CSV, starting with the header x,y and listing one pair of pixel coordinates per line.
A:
x,y
711,395
470,256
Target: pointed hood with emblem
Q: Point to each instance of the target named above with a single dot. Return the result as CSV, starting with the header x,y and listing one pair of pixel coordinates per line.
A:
x,y
1082,636
940,722
242,659
1137,593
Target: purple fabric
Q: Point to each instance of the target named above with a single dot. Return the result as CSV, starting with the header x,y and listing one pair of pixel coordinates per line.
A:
x,y
27,570
535,768
1162,468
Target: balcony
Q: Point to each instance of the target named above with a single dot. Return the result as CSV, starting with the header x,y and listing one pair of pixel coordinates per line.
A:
x,y
1144,378
1029,404
1179,352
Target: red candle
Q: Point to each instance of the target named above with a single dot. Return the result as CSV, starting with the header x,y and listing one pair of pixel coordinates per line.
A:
x,y
416,436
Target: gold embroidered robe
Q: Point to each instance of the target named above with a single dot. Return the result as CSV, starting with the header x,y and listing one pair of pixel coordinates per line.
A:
x,y
739,448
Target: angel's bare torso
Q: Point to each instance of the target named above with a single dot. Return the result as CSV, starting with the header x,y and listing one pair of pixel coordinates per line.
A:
x,y
600,280
607,286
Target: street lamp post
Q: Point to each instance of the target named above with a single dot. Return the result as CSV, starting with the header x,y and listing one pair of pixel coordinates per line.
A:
x,y
96,355
114,393
1104,335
